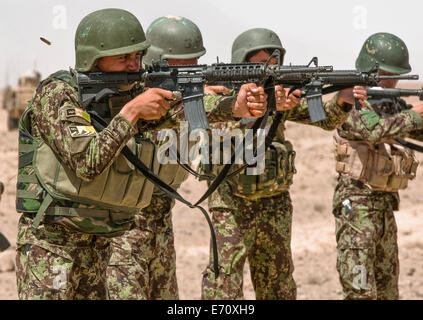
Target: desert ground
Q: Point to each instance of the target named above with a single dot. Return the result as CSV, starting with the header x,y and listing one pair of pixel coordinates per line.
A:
x,y
313,240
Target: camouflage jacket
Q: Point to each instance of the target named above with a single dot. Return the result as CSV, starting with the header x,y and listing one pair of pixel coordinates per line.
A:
x,y
371,125
374,126
54,107
55,111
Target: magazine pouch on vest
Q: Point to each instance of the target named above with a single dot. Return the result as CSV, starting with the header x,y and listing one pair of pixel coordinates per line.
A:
x,y
276,178
382,167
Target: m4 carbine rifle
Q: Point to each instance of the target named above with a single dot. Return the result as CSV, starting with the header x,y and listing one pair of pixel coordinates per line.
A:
x,y
189,81
337,80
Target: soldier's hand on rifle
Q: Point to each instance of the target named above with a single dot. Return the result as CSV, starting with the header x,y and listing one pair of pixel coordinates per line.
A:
x,y
348,96
419,109
251,102
215,90
360,93
290,101
149,105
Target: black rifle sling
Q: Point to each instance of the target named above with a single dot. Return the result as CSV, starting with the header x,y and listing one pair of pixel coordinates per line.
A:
x,y
269,138
191,170
410,145
99,124
259,123
222,174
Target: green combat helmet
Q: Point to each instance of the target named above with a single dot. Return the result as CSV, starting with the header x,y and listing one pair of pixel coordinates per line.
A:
x,y
255,39
107,32
175,38
386,49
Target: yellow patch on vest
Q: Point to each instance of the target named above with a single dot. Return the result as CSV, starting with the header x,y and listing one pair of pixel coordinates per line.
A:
x,y
76,112
82,131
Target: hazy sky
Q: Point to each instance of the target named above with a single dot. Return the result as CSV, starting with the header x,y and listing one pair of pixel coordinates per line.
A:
x,y
332,30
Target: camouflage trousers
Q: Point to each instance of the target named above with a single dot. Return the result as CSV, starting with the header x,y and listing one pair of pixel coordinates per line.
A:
x,y
366,236
143,260
260,231
54,262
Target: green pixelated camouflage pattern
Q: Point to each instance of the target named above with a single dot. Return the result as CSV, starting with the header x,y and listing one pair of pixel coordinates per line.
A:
x,y
260,231
143,263
366,237
143,260
88,156
55,263
335,115
375,127
366,234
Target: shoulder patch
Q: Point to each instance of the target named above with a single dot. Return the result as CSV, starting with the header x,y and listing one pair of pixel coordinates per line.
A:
x,y
82,131
75,114
370,118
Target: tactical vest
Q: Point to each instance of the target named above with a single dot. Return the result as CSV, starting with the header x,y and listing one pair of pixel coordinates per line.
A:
x,y
277,176
173,174
45,186
381,167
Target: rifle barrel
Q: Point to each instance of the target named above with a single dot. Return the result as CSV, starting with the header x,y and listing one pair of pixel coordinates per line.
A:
x,y
393,92
400,77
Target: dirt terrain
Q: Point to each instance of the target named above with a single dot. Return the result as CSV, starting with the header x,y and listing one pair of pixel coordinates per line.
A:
x,y
313,240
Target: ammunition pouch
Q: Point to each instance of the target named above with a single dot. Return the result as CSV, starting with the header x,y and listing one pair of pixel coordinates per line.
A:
x,y
117,193
173,174
276,178
382,167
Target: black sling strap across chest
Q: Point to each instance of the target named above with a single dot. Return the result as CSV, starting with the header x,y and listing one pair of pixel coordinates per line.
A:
x,y
99,124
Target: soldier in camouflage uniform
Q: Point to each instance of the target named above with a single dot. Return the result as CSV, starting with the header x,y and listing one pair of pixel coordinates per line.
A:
x,y
70,189
372,167
143,260
252,214
75,189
